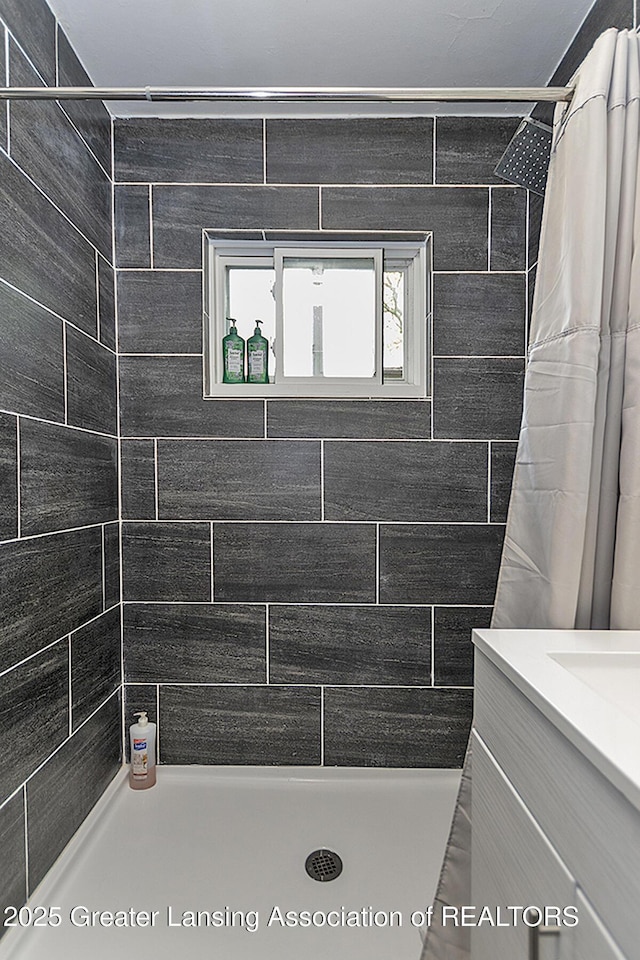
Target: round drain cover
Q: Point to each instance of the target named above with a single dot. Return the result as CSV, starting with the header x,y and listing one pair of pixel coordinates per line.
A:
x,y
323,865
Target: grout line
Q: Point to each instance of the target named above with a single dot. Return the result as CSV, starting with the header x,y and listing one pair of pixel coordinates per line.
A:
x,y
264,150
155,477
337,185
213,593
377,563
169,270
96,433
489,229
433,646
311,683
267,651
433,171
322,516
157,723
151,225
341,523
322,725
65,379
70,693
58,533
26,839
103,570
18,480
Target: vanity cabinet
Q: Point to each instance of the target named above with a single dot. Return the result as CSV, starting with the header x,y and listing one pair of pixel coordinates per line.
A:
x,y
549,829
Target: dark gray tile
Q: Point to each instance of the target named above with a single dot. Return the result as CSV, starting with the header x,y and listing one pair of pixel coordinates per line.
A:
x,y
160,312
107,303
194,643
61,795
468,148
91,117
34,714
68,478
536,204
363,150
295,562
503,458
180,213
341,644
138,479
241,725
32,369
531,289
33,232
508,228
49,586
477,398
132,229
439,563
91,384
13,880
188,150
95,664
33,25
414,481
452,646
457,218
479,314
350,419
138,697
239,480
8,477
396,728
46,146
162,396
111,564
166,561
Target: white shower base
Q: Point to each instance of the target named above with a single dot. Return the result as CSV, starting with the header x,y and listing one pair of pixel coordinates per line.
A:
x,y
209,838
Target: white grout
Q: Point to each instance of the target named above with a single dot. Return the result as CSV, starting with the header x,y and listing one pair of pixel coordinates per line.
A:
x,y
322,523
337,185
308,683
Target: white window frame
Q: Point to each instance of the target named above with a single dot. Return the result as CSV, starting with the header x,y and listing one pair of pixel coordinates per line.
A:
x,y
413,255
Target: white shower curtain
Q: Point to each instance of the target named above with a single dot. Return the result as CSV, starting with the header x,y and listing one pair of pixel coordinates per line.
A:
x,y
571,556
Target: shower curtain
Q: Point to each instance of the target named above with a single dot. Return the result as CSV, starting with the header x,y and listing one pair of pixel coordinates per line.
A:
x,y
572,546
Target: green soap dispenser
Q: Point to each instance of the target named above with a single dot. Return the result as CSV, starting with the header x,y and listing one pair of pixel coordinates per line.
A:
x,y
232,355
257,357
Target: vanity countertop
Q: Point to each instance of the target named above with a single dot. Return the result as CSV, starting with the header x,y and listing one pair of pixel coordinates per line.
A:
x,y
587,683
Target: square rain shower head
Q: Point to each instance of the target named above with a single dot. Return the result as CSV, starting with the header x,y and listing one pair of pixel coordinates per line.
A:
x,y
526,159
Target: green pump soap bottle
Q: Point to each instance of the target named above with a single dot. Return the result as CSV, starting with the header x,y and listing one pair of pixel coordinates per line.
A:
x,y
257,357
232,355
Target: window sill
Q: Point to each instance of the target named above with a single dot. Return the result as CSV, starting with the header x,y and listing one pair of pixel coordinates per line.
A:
x,y
267,391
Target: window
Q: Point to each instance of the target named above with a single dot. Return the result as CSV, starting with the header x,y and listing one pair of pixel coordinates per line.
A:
x,y
343,319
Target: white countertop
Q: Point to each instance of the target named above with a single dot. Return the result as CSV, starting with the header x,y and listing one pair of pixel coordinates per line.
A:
x,y
584,704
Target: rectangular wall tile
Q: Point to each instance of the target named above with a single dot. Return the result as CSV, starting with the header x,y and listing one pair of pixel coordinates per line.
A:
x,y
33,232
13,880
160,312
8,477
95,664
534,225
468,148
508,228
61,795
503,458
47,147
132,226
439,563
107,303
91,117
68,478
452,646
295,562
479,314
138,479
48,587
194,643
241,725
396,728
166,561
111,564
362,150
350,419
31,373
188,150
91,384
34,714
239,479
428,481
478,398
34,25
342,644
457,218
180,213
162,396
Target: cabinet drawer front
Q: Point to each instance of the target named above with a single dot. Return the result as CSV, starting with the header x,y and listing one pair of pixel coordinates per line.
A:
x,y
512,864
592,940
591,825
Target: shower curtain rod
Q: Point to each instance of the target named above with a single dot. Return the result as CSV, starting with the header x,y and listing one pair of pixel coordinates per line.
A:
x,y
293,94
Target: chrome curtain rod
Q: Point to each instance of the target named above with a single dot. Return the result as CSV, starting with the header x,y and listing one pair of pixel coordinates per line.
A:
x,y
293,94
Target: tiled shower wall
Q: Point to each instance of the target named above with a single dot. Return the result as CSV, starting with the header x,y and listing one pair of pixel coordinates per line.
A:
x,y
301,576
59,560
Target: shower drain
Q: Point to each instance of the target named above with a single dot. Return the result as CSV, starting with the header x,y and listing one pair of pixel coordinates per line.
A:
x,y
323,865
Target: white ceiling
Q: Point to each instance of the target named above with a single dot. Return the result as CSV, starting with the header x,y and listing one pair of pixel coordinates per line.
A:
x,y
373,43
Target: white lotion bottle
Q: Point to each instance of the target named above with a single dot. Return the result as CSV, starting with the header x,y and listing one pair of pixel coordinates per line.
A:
x,y
143,753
